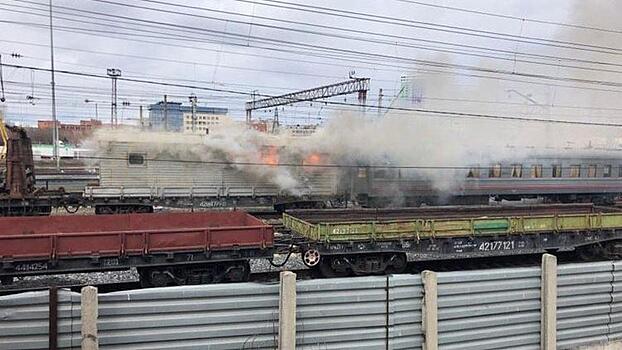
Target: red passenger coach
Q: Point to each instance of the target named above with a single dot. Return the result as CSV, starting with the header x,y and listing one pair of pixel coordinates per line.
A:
x,y
167,248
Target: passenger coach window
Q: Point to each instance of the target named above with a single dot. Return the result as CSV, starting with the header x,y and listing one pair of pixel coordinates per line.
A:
x,y
136,159
362,172
536,170
591,170
575,171
607,171
557,171
473,172
495,171
517,170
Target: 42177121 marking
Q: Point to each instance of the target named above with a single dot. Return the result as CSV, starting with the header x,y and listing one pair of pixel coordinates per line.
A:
x,y
497,245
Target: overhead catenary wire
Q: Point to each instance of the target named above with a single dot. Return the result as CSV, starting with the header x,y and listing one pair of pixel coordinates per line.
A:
x,y
518,18
451,114
343,59
419,61
511,53
349,30
103,92
426,70
430,25
467,67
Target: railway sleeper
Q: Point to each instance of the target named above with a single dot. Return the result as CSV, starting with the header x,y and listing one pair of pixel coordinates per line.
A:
x,y
162,276
361,264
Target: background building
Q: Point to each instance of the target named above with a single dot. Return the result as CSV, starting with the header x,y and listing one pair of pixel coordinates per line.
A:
x,y
85,125
205,119
179,118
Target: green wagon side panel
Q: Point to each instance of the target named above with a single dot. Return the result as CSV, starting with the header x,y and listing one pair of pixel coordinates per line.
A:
x,y
535,224
301,227
574,222
446,227
611,221
420,228
491,225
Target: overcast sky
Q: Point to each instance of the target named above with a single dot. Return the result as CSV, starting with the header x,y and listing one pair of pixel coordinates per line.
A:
x,y
270,49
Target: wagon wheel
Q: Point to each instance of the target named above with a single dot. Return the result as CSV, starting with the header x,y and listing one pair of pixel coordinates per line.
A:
x,y
397,264
311,257
327,268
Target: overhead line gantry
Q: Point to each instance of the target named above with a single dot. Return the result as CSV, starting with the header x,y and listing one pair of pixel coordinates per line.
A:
x,y
353,85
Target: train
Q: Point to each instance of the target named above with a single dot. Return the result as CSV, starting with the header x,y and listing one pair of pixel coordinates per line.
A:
x,y
180,248
138,175
554,176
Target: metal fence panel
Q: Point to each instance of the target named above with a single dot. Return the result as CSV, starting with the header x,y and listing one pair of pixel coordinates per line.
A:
x,y
226,316
405,301
489,309
584,301
343,313
24,320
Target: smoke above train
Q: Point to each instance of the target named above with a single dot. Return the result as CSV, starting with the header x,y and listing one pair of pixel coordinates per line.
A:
x,y
439,149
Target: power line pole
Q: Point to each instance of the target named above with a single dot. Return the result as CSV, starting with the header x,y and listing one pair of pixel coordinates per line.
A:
x,y
380,96
142,122
193,101
113,73
165,114
54,121
96,112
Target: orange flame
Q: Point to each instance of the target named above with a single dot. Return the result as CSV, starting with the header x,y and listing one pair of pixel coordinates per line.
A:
x,y
313,159
270,155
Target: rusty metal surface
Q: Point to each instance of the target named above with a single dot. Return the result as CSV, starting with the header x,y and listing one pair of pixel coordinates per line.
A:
x,y
20,176
119,235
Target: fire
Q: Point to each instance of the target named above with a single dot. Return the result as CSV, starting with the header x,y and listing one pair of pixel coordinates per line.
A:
x,y
270,155
313,159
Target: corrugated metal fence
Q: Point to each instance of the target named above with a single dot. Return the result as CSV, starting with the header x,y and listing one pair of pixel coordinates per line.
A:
x,y
24,320
493,309
487,309
589,308
331,314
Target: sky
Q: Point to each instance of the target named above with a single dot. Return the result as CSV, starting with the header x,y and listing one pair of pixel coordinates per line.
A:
x,y
557,59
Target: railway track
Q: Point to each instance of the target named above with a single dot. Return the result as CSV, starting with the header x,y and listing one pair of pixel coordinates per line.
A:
x,y
414,267
108,287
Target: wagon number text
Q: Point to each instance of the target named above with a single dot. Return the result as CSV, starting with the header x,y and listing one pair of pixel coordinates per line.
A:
x,y
497,245
344,230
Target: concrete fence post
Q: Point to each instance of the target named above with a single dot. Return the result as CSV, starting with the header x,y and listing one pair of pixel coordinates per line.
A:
x,y
88,316
430,310
548,303
287,311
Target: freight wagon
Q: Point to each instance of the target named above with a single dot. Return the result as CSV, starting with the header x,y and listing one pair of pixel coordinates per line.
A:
x,y
174,248
210,247
360,242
